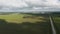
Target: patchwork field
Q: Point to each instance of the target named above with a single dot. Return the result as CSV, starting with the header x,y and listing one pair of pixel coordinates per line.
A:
x,y
56,19
57,24
22,23
19,18
27,24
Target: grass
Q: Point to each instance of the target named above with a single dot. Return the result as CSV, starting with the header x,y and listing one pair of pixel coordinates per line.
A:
x,y
57,19
57,24
18,18
42,25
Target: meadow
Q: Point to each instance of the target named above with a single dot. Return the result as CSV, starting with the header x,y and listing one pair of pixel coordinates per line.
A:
x,y
56,20
19,23
19,18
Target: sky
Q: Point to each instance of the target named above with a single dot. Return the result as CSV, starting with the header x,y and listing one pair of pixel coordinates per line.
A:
x,y
29,5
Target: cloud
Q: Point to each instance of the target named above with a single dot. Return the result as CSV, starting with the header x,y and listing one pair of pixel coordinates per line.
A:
x,y
13,3
29,4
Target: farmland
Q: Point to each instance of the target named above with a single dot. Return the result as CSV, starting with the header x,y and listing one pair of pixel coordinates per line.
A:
x,y
19,23
56,18
19,18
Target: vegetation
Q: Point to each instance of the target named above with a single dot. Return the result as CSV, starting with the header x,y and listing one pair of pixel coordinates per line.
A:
x,y
56,18
19,24
19,18
24,28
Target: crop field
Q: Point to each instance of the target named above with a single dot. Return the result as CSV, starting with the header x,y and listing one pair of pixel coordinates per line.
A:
x,y
19,18
19,23
57,23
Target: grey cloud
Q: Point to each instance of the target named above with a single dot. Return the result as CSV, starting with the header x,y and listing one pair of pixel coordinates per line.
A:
x,y
41,5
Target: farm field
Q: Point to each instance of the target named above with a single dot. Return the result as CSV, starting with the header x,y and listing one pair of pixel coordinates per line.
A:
x,y
19,18
57,24
17,23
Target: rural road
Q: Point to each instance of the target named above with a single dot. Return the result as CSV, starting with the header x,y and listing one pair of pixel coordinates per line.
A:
x,y
52,25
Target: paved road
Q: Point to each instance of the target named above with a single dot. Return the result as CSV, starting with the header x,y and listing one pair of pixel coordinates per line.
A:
x,y
52,25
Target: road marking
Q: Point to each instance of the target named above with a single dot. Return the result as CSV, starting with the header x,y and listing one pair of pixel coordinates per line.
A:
x,y
52,25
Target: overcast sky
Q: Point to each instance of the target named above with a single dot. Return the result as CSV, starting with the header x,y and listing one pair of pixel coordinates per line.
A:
x,y
18,5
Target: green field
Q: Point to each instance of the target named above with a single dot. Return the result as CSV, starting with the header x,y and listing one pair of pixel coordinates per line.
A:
x,y
18,18
56,19
24,24
57,24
